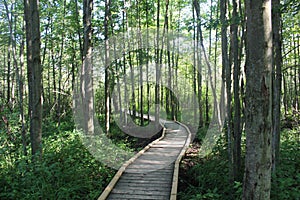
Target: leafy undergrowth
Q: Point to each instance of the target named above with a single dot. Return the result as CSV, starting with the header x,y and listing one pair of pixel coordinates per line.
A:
x,y
207,178
285,183
67,171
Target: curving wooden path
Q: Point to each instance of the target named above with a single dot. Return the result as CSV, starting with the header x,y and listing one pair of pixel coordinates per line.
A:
x,y
153,172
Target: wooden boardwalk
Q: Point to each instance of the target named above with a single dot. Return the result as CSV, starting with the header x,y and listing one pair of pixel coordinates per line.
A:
x,y
153,172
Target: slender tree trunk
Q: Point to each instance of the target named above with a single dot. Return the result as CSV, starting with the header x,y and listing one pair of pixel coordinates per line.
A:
x,y
53,76
124,64
276,19
74,66
10,50
87,69
217,108
21,93
133,105
4,77
157,67
34,73
8,75
206,104
78,29
198,66
296,93
236,91
140,63
285,93
107,66
169,72
242,48
227,76
62,42
43,58
147,61
257,177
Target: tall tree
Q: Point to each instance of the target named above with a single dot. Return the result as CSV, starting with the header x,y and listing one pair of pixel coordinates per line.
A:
x,y
226,77
34,73
236,92
87,69
217,110
276,20
107,70
157,67
257,177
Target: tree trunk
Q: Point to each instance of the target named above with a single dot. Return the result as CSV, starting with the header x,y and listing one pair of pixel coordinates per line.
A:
x,y
34,73
147,61
107,64
227,78
217,111
78,29
140,64
296,103
276,19
198,63
236,94
62,42
157,67
87,69
8,75
21,93
257,177
285,95
133,106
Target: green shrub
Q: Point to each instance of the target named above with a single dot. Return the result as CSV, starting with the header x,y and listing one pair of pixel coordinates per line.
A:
x,y
67,171
208,178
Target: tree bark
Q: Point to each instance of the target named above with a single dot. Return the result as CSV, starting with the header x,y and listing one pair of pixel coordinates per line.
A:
x,y
236,93
87,69
21,93
227,78
157,67
277,79
107,70
34,73
257,177
62,43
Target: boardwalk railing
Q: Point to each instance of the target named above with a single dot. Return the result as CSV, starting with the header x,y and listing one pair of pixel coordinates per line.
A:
x,y
153,172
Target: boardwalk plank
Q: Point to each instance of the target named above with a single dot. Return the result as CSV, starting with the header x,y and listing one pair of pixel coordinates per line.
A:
x,y
130,197
150,176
